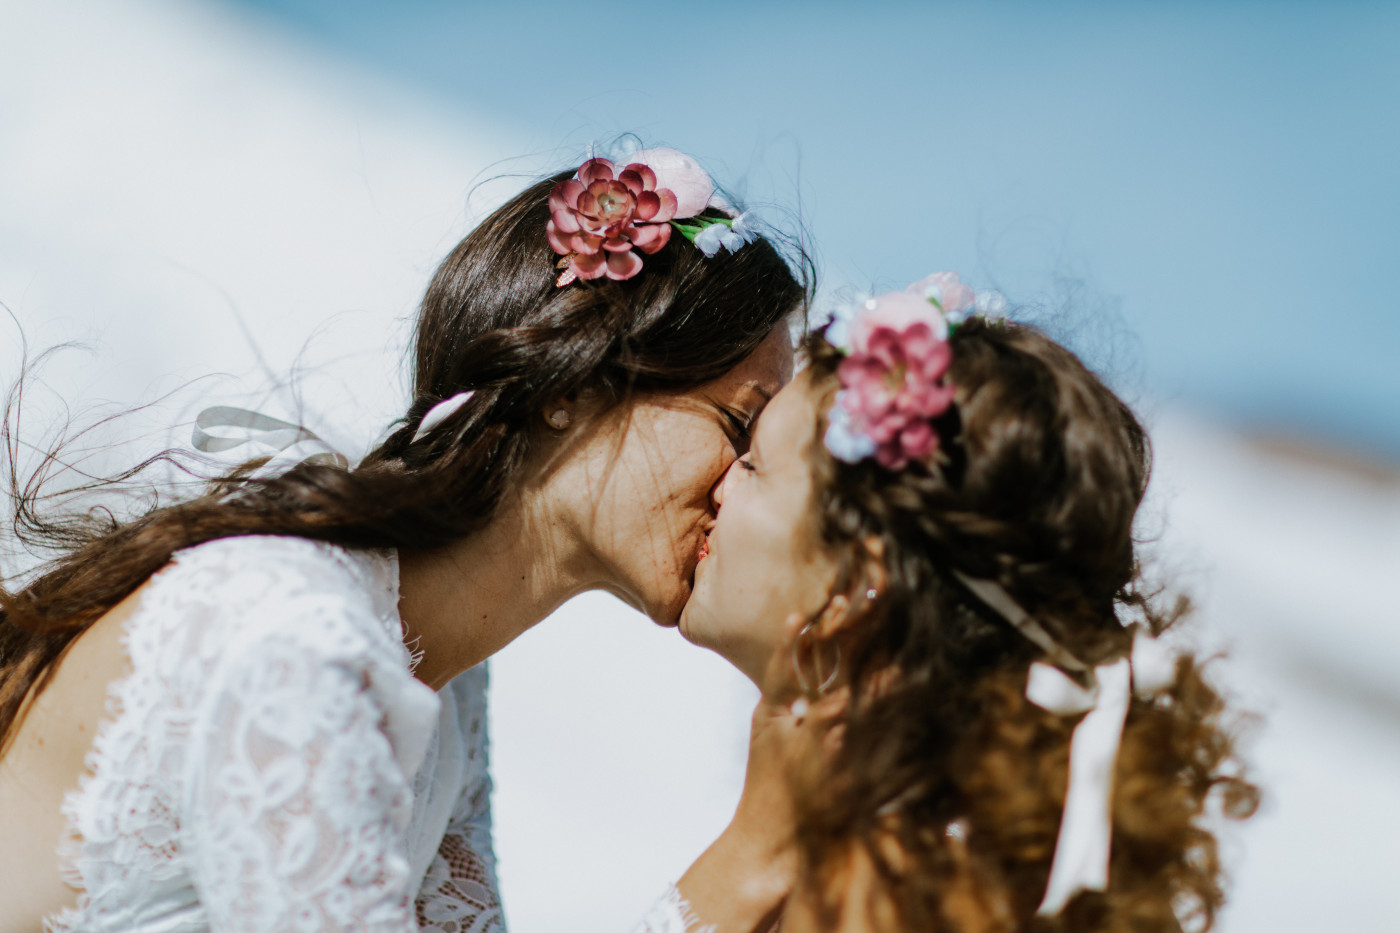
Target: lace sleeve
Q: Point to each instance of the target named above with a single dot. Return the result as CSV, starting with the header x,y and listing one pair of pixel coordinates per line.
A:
x,y
672,914
459,894
298,804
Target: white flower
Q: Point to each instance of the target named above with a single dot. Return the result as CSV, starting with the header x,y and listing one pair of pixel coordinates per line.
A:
x,y
731,240
744,228
710,240
838,322
732,235
991,304
845,444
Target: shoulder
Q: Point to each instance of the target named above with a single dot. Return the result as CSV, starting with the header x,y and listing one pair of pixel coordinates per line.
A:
x,y
256,564
235,595
292,631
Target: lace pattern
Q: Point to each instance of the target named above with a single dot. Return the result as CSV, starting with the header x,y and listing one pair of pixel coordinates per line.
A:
x,y
458,893
255,766
271,764
672,914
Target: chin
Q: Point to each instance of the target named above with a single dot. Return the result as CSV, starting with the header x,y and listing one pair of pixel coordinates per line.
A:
x,y
668,611
683,625
693,618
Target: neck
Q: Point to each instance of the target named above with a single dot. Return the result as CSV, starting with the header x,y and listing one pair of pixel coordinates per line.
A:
x,y
463,603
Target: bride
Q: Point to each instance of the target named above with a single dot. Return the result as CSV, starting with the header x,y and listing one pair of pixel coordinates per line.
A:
x,y
263,709
997,741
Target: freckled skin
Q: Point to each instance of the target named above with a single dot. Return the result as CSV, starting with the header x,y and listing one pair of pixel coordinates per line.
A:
x,y
668,452
764,563
672,453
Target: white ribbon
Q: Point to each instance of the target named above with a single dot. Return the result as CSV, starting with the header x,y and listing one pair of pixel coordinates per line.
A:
x,y
241,435
441,412
997,598
1086,828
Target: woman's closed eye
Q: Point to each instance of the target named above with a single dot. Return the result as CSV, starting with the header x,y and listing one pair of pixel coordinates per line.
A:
x,y
740,430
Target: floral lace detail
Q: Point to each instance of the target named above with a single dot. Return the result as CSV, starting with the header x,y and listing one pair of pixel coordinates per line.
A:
x,y
672,914
458,893
271,764
255,767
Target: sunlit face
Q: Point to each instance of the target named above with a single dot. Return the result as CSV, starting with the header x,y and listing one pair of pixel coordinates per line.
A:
x,y
651,475
764,561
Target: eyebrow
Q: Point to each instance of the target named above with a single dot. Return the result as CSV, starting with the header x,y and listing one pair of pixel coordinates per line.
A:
x,y
760,389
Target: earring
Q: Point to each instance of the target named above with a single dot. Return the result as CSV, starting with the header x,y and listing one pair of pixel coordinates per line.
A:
x,y
824,683
871,593
560,419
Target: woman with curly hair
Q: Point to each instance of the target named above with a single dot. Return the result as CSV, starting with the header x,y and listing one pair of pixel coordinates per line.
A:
x,y
999,743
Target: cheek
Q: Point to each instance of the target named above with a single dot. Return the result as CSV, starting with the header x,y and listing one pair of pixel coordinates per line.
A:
x,y
663,457
755,556
688,464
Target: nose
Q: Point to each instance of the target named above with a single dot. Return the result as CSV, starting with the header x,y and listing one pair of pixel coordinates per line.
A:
x,y
717,493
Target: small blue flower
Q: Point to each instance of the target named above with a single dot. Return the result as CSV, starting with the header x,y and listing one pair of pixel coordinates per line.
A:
x,y
710,240
732,235
838,324
744,228
731,240
845,444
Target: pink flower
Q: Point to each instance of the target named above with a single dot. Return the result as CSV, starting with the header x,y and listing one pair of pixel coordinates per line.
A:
x,y
598,218
895,378
947,289
895,311
681,174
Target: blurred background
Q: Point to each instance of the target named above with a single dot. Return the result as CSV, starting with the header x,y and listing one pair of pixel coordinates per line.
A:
x,y
1202,198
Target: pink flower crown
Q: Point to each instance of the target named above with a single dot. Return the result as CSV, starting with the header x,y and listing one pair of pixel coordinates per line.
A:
x,y
894,379
602,218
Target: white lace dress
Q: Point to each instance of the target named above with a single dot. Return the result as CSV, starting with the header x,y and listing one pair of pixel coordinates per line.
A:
x,y
271,764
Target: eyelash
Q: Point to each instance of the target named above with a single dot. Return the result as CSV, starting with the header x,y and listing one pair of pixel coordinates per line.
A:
x,y
741,430
747,464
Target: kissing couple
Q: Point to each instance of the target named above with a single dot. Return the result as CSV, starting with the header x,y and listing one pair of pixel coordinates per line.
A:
x,y
908,520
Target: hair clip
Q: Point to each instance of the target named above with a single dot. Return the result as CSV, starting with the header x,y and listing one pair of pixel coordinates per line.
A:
x,y
603,217
894,378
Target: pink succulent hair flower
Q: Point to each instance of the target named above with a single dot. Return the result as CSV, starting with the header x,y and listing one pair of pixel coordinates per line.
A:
x,y
894,379
600,220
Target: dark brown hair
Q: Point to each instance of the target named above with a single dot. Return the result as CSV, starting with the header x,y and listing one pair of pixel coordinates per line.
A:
x,y
492,321
948,781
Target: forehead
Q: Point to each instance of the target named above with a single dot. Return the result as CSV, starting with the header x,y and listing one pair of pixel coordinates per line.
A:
x,y
789,423
766,370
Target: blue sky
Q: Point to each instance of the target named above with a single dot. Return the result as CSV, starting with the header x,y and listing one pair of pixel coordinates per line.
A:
x,y
1203,198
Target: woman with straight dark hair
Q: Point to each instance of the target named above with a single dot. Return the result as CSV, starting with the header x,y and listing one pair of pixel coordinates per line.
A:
x,y
263,708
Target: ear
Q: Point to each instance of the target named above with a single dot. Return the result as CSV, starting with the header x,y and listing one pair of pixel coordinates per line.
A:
x,y
845,611
561,413
875,577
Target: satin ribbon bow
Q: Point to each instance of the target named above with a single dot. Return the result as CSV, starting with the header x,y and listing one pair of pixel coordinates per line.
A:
x,y
1086,828
240,435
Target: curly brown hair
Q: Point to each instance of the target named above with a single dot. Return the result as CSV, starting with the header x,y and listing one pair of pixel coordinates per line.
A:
x,y
949,785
